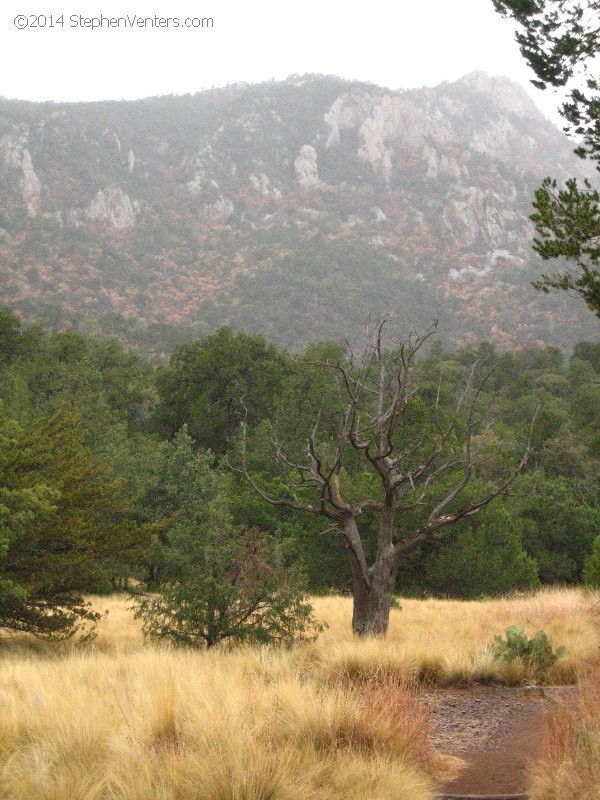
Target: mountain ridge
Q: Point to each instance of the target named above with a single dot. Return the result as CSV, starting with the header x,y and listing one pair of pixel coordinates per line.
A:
x,y
294,208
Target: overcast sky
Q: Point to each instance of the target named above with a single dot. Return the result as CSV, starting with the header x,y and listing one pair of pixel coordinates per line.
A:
x,y
395,43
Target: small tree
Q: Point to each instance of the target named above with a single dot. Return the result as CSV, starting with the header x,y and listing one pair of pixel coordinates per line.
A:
x,y
394,455
217,581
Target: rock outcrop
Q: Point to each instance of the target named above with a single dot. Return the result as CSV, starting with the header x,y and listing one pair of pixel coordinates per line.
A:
x,y
262,185
16,156
220,210
113,206
503,93
307,172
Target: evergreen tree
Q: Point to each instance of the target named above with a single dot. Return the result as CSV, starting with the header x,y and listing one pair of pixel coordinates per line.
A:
x,y
486,559
211,384
61,522
560,41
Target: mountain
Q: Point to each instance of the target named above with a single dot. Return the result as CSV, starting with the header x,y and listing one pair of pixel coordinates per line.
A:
x,y
296,208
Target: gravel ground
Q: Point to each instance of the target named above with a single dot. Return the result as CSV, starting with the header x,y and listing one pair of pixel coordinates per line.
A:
x,y
494,729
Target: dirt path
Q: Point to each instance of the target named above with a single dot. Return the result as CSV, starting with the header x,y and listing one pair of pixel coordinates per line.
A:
x,y
496,730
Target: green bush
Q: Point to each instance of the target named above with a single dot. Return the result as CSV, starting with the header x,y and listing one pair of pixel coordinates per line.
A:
x,y
535,653
226,584
591,569
208,579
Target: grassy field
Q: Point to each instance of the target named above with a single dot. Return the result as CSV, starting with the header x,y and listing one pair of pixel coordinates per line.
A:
x,y
124,720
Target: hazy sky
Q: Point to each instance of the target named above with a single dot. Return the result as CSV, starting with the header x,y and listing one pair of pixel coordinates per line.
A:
x,y
396,43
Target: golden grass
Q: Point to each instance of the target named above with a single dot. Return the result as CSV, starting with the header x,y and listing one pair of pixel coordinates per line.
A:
x,y
125,720
177,724
448,641
569,762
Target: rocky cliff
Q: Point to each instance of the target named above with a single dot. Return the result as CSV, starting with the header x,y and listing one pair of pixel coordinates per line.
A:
x,y
296,208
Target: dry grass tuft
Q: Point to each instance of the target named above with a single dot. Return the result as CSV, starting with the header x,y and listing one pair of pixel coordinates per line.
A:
x,y
397,715
569,761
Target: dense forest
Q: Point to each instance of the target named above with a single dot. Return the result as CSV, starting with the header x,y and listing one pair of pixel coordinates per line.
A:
x,y
115,471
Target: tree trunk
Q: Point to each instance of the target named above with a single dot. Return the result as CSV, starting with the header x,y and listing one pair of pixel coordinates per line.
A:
x,y
372,587
372,603
371,613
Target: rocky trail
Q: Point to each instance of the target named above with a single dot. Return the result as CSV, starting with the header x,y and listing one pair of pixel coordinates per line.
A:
x,y
495,730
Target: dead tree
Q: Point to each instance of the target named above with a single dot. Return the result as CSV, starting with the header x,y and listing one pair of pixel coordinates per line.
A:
x,y
375,397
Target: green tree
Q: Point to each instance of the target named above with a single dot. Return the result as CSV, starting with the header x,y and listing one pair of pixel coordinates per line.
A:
x,y
591,569
112,388
222,582
60,522
211,384
558,526
560,41
588,352
485,559
217,581
126,382
10,336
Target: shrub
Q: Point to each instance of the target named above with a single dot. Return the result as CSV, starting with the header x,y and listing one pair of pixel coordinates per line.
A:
x,y
223,582
535,653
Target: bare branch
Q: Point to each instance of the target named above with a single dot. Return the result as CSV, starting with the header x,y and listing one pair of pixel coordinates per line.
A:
x,y
435,522
282,502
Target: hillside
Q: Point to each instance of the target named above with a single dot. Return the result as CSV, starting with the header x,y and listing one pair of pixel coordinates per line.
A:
x,y
294,208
